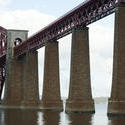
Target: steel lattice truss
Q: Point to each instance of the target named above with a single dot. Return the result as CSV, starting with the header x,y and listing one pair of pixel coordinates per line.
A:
x,y
3,48
84,14
3,41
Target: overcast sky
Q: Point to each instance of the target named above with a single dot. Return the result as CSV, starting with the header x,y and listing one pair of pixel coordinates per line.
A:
x,y
33,15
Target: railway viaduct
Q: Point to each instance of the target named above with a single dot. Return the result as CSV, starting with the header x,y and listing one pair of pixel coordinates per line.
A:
x,y
19,61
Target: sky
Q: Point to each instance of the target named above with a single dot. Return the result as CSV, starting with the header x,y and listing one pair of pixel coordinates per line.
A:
x,y
33,15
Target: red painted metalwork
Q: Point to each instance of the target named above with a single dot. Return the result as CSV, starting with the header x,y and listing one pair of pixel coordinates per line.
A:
x,y
121,1
3,49
3,41
84,14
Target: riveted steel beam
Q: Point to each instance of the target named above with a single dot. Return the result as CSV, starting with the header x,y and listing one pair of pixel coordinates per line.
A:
x,y
81,16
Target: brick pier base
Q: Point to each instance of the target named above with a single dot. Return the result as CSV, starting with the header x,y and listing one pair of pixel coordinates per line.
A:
x,y
116,104
80,98
21,83
30,81
51,99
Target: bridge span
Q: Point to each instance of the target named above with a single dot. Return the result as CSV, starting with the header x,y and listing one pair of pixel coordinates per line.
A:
x,y
19,63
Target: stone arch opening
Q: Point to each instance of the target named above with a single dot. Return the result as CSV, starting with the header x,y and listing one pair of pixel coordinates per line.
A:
x,y
17,41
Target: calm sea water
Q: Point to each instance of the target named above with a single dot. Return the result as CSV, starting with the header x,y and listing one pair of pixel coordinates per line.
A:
x,y
25,117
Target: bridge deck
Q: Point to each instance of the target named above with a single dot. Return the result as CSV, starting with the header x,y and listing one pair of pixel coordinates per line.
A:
x,y
82,15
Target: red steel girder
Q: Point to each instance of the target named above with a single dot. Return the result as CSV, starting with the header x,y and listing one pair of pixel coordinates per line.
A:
x,y
3,49
3,41
121,1
83,15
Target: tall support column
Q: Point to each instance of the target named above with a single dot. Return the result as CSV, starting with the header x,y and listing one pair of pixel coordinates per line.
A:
x,y
30,88
116,104
14,75
51,99
21,83
14,78
80,98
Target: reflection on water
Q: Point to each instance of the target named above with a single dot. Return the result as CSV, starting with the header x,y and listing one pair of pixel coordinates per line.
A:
x,y
117,120
12,117
26,117
51,118
100,117
29,118
20,117
80,119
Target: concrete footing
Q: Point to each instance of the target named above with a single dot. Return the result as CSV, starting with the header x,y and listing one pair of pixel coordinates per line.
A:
x,y
80,106
116,104
80,98
51,99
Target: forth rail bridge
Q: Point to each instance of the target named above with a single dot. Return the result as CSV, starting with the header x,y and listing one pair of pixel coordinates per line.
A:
x,y
19,62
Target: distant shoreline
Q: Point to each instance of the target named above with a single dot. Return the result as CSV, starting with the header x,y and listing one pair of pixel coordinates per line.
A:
x,y
101,100
97,100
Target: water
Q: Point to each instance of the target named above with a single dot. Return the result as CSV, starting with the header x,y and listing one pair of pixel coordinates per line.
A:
x,y
25,117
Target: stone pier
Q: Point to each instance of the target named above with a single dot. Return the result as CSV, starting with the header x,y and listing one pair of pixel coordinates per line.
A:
x,y
116,104
30,87
80,97
51,99
14,72
21,87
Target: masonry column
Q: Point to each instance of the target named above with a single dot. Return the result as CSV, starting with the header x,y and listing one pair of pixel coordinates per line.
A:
x,y
116,104
80,98
14,72
51,99
30,88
